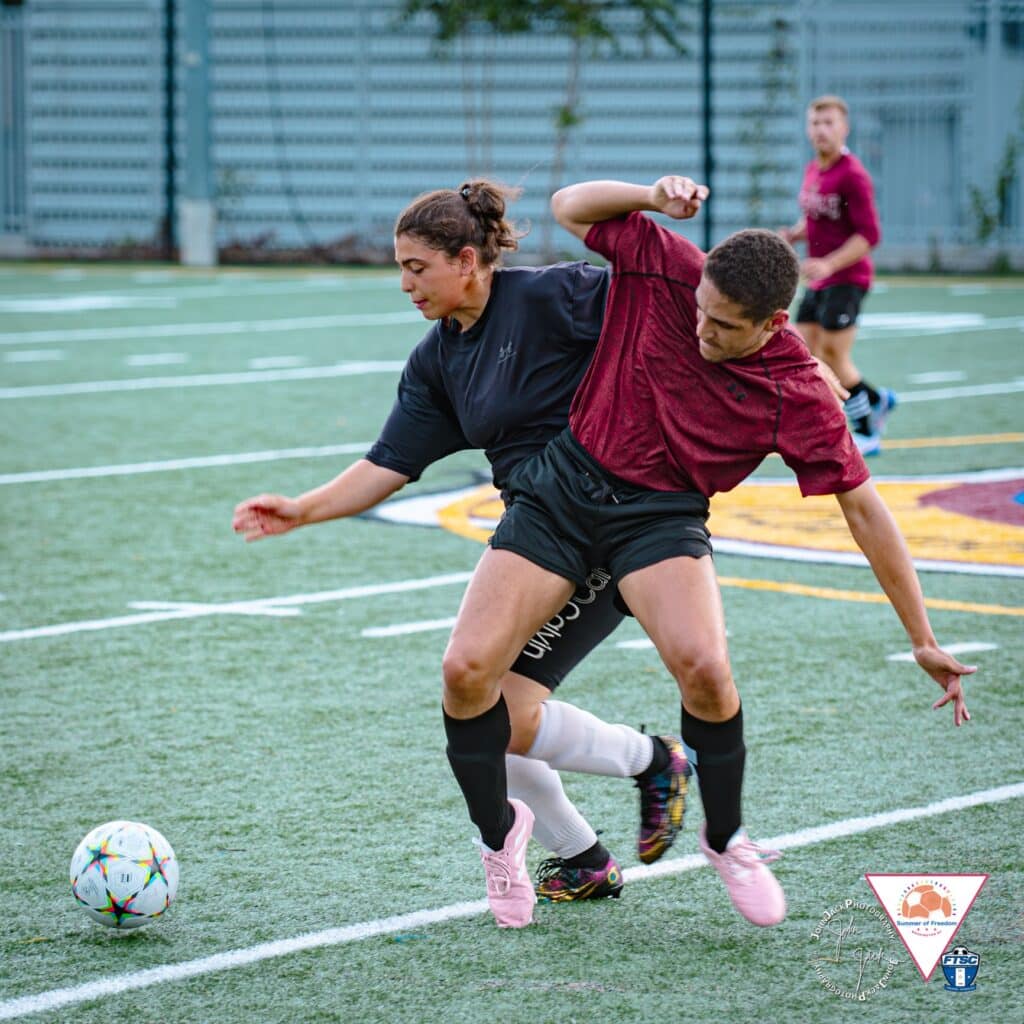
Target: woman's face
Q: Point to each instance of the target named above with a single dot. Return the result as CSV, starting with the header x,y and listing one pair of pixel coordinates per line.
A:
x,y
435,281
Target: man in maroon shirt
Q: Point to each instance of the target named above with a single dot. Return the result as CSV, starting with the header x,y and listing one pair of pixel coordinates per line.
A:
x,y
840,223
696,378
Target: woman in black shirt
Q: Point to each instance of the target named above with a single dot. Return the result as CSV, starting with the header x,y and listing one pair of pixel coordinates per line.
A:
x,y
497,371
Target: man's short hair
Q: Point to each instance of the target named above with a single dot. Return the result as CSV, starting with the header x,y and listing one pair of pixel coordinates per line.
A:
x,y
756,269
828,101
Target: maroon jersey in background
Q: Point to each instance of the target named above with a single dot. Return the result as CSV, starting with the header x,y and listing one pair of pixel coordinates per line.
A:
x,y
652,411
837,202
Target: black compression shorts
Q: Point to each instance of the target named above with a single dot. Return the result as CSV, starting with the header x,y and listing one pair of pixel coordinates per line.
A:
x,y
563,642
567,514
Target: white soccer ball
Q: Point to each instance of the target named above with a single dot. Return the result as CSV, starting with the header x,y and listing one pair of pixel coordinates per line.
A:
x,y
124,874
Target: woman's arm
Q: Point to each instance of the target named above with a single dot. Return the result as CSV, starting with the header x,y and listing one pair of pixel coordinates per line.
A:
x,y
358,488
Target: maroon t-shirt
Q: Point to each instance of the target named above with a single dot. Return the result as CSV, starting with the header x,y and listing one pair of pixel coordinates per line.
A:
x,y
838,202
655,413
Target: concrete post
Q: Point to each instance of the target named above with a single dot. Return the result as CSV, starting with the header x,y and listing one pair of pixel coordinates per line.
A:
x,y
197,225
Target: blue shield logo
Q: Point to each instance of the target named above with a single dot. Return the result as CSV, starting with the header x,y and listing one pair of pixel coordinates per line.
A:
x,y
960,966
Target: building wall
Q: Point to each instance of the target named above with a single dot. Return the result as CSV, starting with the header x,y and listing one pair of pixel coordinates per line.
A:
x,y
329,115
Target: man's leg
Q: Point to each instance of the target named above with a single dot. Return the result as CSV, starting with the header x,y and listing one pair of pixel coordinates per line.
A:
x,y
811,333
678,603
570,739
577,741
867,408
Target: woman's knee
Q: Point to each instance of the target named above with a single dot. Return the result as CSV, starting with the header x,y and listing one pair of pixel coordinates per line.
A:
x,y
466,671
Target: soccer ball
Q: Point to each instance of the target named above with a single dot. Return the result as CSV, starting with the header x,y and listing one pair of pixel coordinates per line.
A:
x,y
124,874
925,900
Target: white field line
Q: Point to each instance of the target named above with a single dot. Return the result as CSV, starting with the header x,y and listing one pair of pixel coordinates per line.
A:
x,y
959,324
967,647
328,451
236,608
405,628
198,462
35,355
969,391
166,610
201,380
157,288
938,377
386,366
104,987
725,545
185,330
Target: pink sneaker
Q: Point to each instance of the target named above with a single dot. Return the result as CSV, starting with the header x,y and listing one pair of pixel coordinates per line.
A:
x,y
753,889
509,889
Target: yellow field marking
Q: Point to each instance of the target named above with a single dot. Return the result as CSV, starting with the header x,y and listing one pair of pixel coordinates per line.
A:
x,y
485,505
964,441
864,596
776,514
482,504
954,442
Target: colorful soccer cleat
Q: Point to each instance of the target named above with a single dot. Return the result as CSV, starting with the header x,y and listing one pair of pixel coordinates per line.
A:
x,y
557,882
663,803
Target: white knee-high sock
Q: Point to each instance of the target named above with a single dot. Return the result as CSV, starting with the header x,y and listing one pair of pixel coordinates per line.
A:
x,y
573,740
558,825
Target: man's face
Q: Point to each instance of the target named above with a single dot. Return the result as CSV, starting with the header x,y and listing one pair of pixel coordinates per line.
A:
x,y
723,329
827,129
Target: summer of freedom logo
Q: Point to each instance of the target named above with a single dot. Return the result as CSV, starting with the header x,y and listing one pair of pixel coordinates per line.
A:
x,y
926,910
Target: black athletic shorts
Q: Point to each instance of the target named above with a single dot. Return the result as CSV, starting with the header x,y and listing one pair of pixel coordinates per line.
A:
x,y
567,513
563,642
834,308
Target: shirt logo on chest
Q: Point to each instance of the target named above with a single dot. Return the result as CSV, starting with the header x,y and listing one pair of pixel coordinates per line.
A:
x,y
821,206
506,352
736,391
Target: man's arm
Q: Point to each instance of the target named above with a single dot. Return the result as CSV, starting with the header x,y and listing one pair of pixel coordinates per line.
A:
x,y
578,207
877,535
855,248
795,232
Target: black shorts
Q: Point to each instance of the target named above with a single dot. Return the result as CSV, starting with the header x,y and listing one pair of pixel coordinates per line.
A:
x,y
567,514
834,308
563,642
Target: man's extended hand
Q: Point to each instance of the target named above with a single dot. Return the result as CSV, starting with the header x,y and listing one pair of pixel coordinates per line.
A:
x,y
946,671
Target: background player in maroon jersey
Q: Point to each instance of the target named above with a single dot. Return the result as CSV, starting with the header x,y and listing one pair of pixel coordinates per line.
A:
x,y
840,223
696,378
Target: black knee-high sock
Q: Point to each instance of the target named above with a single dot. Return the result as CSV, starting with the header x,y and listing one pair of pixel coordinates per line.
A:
x,y
859,409
720,757
476,752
